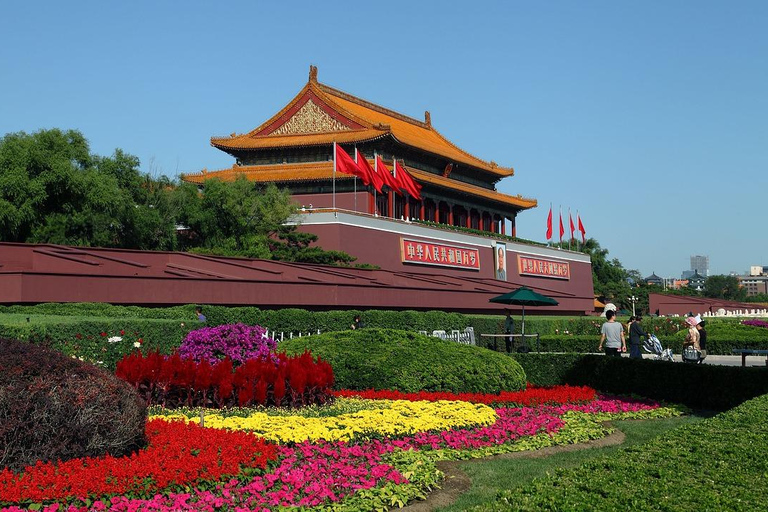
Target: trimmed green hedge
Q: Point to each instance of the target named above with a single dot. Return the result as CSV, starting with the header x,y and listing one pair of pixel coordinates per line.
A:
x,y
715,464
699,386
558,334
409,362
89,339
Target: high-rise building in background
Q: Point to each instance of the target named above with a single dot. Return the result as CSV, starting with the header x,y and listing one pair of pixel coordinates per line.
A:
x,y
700,264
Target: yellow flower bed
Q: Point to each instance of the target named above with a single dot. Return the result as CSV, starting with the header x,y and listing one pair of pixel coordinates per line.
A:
x,y
386,417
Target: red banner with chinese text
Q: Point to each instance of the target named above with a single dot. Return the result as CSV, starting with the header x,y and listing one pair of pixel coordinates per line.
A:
x,y
429,253
531,266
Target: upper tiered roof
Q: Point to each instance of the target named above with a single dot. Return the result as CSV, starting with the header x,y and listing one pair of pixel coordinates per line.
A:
x,y
320,115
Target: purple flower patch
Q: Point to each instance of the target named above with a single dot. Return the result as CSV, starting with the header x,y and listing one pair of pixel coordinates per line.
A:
x,y
239,342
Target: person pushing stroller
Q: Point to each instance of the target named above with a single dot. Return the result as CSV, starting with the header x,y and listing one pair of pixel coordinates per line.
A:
x,y
636,335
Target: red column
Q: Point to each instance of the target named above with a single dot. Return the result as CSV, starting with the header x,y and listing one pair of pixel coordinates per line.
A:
x,y
407,208
450,215
421,210
503,226
371,203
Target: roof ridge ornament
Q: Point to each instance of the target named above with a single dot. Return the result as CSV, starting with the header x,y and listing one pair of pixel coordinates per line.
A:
x,y
312,73
428,118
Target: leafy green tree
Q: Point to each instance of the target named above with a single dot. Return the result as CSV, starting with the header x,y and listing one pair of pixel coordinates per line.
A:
x,y
724,287
294,245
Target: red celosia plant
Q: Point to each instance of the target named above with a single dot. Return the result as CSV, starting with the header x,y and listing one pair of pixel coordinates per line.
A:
x,y
174,381
530,397
178,455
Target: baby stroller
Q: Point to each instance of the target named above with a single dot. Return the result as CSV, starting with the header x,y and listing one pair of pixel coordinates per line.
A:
x,y
653,345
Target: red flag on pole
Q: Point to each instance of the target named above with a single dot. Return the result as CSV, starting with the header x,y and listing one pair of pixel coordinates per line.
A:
x,y
581,228
376,180
570,219
549,224
345,164
562,229
409,184
386,177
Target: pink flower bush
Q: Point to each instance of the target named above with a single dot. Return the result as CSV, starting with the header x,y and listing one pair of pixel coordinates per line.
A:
x,y
239,342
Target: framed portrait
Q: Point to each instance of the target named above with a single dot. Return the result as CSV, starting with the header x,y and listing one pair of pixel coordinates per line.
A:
x,y
500,261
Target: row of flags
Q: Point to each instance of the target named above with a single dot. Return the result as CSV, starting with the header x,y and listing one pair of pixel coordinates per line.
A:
x,y
378,176
562,227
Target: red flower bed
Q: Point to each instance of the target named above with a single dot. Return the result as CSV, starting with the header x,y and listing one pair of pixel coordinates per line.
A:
x,y
174,381
178,454
530,397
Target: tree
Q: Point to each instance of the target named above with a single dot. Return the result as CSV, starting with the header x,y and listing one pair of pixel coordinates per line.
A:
x,y
724,287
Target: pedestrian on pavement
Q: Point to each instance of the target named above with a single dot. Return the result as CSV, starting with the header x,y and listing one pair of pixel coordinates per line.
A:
x,y
636,334
702,340
612,333
509,328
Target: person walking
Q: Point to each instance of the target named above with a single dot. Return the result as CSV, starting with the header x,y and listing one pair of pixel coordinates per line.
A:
x,y
702,340
636,334
509,329
199,314
612,334
357,323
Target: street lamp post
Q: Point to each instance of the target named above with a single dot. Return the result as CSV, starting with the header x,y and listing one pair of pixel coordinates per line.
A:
x,y
633,299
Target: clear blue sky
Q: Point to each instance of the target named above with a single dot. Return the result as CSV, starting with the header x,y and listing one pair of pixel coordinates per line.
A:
x,y
650,118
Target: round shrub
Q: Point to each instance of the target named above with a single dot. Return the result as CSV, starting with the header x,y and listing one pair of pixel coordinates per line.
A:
x,y
54,407
239,342
410,362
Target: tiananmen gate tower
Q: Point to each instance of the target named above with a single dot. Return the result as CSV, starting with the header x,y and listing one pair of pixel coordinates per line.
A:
x,y
445,246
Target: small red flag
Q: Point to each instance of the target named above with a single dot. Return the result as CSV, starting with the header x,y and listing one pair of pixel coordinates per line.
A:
x,y
409,185
549,224
562,229
376,180
581,228
387,177
573,228
345,164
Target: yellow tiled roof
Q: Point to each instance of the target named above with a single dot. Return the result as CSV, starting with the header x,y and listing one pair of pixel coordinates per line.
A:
x,y
375,121
273,172
324,171
474,190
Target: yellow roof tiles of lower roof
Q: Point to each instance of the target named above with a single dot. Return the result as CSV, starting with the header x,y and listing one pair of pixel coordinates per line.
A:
x,y
324,171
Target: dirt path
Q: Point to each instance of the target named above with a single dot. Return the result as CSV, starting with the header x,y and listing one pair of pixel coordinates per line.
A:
x,y
457,482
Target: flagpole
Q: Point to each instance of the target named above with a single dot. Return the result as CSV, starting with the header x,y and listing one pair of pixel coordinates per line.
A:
x,y
355,179
376,170
578,219
570,222
334,179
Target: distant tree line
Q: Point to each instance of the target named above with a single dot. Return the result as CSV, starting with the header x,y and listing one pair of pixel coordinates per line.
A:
x,y
614,283
54,190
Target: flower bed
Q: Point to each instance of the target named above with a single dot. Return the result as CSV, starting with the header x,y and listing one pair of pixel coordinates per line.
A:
x,y
382,465
280,380
530,397
178,454
384,418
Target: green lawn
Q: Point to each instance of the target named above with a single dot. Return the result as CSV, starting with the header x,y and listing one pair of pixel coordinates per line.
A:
x,y
490,476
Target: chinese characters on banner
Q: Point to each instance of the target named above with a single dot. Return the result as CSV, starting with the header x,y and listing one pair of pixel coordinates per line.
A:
x,y
428,253
530,266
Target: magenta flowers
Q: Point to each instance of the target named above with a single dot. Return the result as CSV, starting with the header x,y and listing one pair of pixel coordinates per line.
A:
x,y
239,342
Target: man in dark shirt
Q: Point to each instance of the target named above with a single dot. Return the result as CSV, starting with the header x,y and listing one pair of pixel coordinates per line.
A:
x,y
702,340
636,334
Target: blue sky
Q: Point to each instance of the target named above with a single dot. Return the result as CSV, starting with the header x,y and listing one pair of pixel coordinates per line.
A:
x,y
650,118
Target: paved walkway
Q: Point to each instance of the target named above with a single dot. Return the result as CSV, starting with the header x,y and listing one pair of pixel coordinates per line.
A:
x,y
722,360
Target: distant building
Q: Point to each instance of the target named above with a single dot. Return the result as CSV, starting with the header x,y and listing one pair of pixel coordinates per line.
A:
x,y
754,284
700,264
696,281
687,274
758,270
654,279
